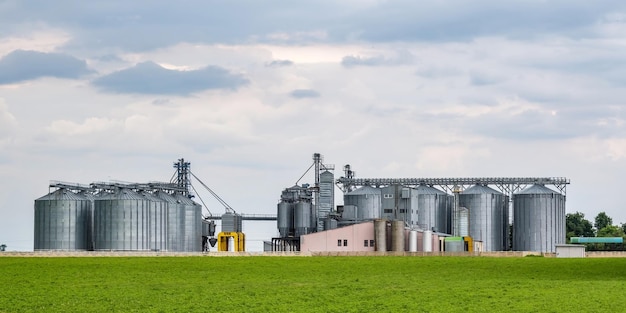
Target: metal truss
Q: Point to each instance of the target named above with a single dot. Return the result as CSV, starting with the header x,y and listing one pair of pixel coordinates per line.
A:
x,y
506,185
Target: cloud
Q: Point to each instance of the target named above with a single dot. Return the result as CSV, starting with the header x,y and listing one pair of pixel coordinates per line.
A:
x,y
23,65
8,122
304,93
349,61
401,58
142,26
279,63
151,78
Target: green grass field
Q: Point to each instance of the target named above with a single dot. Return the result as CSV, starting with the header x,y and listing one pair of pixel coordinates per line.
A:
x,y
312,284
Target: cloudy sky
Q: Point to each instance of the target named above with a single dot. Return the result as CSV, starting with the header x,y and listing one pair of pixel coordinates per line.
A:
x,y
247,91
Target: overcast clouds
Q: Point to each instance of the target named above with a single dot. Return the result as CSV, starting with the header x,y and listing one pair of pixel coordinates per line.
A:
x,y
248,90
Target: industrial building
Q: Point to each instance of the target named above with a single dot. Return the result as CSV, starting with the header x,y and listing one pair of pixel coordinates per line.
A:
x,y
463,214
377,214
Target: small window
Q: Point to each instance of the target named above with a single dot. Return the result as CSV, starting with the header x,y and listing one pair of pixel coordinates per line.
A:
x,y
388,196
402,210
365,243
371,243
345,242
338,242
388,211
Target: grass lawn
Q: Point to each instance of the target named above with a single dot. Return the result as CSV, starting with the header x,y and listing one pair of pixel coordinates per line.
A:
x,y
312,284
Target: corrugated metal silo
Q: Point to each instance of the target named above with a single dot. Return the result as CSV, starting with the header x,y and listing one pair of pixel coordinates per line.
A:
x,y
538,219
487,210
285,219
193,223
121,221
232,222
367,199
62,221
302,221
175,224
157,221
434,209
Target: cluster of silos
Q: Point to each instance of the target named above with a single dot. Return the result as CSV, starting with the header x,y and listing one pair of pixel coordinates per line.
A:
x,y
117,219
422,207
539,219
295,213
488,216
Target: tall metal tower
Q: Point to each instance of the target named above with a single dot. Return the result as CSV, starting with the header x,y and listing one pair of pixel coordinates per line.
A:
x,y
182,175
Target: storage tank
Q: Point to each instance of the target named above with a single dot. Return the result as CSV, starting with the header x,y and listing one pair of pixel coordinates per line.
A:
x,y
157,221
175,224
62,221
121,221
367,199
330,223
462,222
538,219
349,212
413,241
380,234
427,241
434,209
232,222
193,223
487,210
397,235
302,218
285,219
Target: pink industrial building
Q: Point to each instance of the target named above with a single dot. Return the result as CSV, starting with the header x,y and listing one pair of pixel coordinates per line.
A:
x,y
360,237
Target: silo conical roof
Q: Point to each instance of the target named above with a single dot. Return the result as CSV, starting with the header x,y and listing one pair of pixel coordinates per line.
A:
x,y
537,189
62,194
480,189
427,190
121,194
365,190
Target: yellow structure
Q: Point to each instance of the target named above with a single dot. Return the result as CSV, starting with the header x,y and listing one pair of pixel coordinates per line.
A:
x,y
239,240
469,243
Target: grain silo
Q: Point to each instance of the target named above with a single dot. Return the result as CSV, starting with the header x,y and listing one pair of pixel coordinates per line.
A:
x,y
285,218
433,209
487,214
175,224
62,221
157,222
538,219
193,223
121,221
367,200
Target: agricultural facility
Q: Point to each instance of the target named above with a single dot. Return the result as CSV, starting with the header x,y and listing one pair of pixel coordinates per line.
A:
x,y
377,214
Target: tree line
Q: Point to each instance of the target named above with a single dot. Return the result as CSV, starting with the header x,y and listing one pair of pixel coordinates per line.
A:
x,y
578,226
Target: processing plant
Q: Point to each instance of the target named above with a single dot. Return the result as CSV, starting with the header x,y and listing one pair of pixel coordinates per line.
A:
x,y
454,214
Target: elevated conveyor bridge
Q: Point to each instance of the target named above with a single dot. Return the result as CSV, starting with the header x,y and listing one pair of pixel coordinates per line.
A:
x,y
506,185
